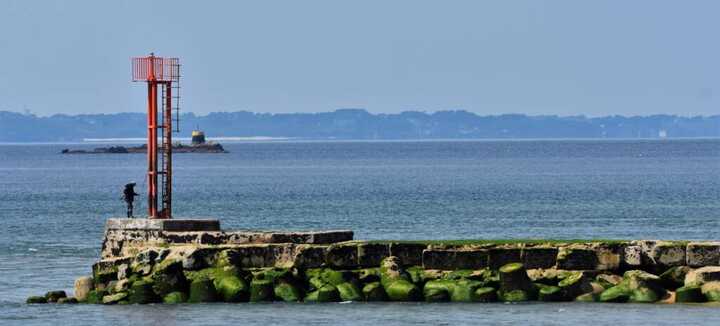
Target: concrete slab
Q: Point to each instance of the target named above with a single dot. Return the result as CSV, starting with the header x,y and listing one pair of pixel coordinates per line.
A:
x,y
169,225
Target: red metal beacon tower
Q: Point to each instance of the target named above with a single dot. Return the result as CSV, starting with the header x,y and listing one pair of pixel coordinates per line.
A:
x,y
165,73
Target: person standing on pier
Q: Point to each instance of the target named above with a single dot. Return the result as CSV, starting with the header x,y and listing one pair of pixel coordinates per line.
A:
x,y
129,195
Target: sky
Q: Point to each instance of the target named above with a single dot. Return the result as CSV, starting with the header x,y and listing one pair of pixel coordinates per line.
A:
x,y
536,57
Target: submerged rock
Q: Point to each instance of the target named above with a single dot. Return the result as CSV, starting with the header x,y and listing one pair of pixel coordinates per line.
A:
x,y
36,299
53,296
68,300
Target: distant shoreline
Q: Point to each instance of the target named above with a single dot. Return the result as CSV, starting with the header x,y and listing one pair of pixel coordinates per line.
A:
x,y
239,140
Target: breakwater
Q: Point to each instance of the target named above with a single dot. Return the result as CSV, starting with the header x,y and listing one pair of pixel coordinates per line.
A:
x,y
174,261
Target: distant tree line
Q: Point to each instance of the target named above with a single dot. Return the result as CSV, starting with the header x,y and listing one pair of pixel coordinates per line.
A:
x,y
359,124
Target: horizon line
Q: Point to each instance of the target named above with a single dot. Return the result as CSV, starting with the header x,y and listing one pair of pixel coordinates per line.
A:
x,y
374,114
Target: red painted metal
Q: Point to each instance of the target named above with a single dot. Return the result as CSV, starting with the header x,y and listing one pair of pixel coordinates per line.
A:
x,y
163,72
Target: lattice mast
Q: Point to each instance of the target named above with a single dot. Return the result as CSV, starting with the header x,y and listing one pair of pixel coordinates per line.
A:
x,y
165,74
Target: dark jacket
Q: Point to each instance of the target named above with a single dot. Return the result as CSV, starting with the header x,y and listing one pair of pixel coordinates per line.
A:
x,y
129,193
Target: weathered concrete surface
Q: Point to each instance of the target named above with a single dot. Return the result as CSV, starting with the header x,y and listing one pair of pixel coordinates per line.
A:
x,y
703,254
172,225
127,237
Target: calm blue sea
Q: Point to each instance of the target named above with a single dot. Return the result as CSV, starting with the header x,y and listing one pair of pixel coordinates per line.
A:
x,y
53,208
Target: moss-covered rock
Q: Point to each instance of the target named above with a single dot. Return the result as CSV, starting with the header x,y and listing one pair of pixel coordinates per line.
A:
x,y
316,283
232,288
514,277
36,299
434,294
53,296
417,274
574,285
334,277
368,275
349,291
711,290
515,296
114,298
644,287
261,290
674,277
618,293
141,292
691,293
68,300
327,293
96,296
374,291
168,277
273,274
486,294
644,295
391,271
438,290
402,290
287,292
202,290
551,293
175,298
588,297
464,290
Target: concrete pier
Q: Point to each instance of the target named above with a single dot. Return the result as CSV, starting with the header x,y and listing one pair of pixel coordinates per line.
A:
x,y
194,260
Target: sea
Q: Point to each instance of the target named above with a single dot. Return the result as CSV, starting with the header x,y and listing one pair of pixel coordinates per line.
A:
x,y
53,208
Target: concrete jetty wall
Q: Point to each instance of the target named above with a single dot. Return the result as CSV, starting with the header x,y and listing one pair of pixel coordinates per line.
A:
x,y
124,238
172,261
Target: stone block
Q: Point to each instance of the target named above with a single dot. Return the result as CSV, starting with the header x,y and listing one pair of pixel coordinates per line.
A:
x,y
309,256
576,259
539,257
370,254
330,237
668,254
702,275
453,259
609,256
410,254
498,257
343,255
471,259
170,225
198,258
438,258
631,257
700,254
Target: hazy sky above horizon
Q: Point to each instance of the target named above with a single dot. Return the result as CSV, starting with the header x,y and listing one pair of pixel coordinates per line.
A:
x,y
488,57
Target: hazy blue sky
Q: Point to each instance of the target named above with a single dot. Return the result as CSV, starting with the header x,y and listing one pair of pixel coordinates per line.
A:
x,y
489,57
